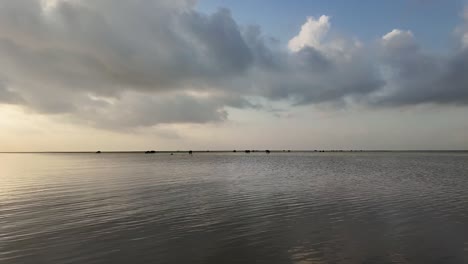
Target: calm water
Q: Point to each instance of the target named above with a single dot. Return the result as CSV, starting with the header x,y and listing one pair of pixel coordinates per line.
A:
x,y
234,208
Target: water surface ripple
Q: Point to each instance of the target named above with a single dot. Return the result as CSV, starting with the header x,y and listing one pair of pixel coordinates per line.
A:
x,y
234,208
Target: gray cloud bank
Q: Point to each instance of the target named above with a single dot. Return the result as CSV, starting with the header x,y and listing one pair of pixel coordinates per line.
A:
x,y
119,63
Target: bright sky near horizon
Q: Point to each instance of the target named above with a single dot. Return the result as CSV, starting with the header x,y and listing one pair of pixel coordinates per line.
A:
x,y
225,74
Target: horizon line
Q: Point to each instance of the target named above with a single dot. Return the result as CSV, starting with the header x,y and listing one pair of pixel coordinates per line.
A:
x,y
236,150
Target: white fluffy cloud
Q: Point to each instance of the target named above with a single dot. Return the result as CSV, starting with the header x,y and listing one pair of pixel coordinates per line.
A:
x,y
398,34
398,39
312,34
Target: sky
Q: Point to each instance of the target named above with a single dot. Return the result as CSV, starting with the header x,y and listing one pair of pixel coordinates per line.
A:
x,y
85,75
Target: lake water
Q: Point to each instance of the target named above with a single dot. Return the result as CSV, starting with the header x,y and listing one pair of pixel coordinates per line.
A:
x,y
234,208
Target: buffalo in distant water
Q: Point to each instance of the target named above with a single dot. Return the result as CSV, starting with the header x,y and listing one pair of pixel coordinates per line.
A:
x,y
247,151
190,152
267,151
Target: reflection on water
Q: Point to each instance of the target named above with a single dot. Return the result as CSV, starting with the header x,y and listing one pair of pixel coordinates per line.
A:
x,y
234,208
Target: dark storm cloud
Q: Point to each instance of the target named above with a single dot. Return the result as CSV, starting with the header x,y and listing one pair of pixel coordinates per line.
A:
x,y
118,63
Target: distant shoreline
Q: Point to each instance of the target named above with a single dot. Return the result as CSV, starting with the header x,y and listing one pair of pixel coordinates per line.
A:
x,y
224,151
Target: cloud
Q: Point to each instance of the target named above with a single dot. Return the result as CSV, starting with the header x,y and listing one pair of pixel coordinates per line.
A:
x,y
397,38
465,40
321,70
58,53
136,110
419,77
7,96
312,34
313,77
464,30
109,46
119,64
